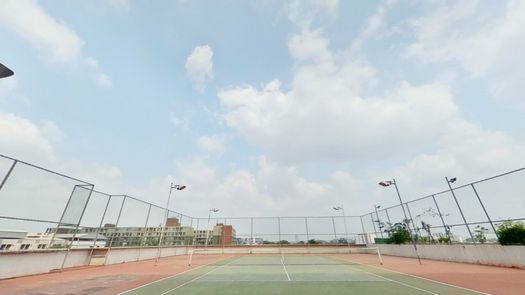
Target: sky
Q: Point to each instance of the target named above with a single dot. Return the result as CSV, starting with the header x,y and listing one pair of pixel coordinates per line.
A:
x,y
266,108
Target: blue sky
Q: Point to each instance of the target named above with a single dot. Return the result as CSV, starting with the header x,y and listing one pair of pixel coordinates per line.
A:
x,y
270,107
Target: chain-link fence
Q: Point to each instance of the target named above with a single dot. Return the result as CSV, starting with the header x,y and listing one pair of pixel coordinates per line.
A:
x,y
43,209
468,213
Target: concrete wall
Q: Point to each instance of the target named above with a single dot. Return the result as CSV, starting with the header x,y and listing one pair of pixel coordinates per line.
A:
x,y
122,255
16,264
30,263
509,256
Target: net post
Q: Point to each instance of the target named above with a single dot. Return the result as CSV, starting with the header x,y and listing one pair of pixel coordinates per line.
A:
x,y
191,257
379,256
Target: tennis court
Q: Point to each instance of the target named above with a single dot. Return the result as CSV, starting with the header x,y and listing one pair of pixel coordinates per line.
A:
x,y
293,274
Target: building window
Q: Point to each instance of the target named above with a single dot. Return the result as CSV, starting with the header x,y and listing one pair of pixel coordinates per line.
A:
x,y
5,247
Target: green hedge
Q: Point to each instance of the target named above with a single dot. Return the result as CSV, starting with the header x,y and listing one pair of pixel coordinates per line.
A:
x,y
511,233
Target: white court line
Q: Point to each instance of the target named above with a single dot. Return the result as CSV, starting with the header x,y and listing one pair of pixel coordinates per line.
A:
x,y
430,280
390,280
284,281
175,275
194,279
418,277
285,271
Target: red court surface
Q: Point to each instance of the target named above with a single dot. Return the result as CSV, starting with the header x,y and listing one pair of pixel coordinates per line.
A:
x,y
113,279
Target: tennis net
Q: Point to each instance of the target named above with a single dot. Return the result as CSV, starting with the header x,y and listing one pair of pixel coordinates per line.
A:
x,y
289,256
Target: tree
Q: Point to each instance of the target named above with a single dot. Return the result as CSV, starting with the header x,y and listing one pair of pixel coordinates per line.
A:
x,y
479,234
398,233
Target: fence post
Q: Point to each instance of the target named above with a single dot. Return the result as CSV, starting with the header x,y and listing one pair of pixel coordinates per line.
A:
x,y
485,210
62,217
362,224
116,226
279,231
416,229
373,223
8,174
77,225
388,217
442,220
251,234
460,211
307,234
99,228
141,243
335,232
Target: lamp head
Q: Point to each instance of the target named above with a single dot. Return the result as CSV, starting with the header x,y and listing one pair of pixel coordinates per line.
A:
x,y
5,71
452,180
178,187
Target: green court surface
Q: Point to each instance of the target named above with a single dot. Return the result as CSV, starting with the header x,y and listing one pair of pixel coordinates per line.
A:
x,y
303,275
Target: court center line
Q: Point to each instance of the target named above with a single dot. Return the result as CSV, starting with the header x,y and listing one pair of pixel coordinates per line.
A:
x,y
285,271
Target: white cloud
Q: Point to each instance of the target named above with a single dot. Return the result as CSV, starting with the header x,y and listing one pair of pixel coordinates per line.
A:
x,y
333,111
52,37
44,32
271,189
199,66
103,80
304,13
120,4
324,116
483,44
22,138
212,144
373,24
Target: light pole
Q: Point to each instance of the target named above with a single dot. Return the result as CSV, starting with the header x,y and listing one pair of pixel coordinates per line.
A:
x,y
179,188
379,221
214,210
5,71
406,221
449,181
344,221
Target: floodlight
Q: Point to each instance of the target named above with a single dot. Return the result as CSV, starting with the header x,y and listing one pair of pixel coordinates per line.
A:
x,y
179,187
5,71
452,180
